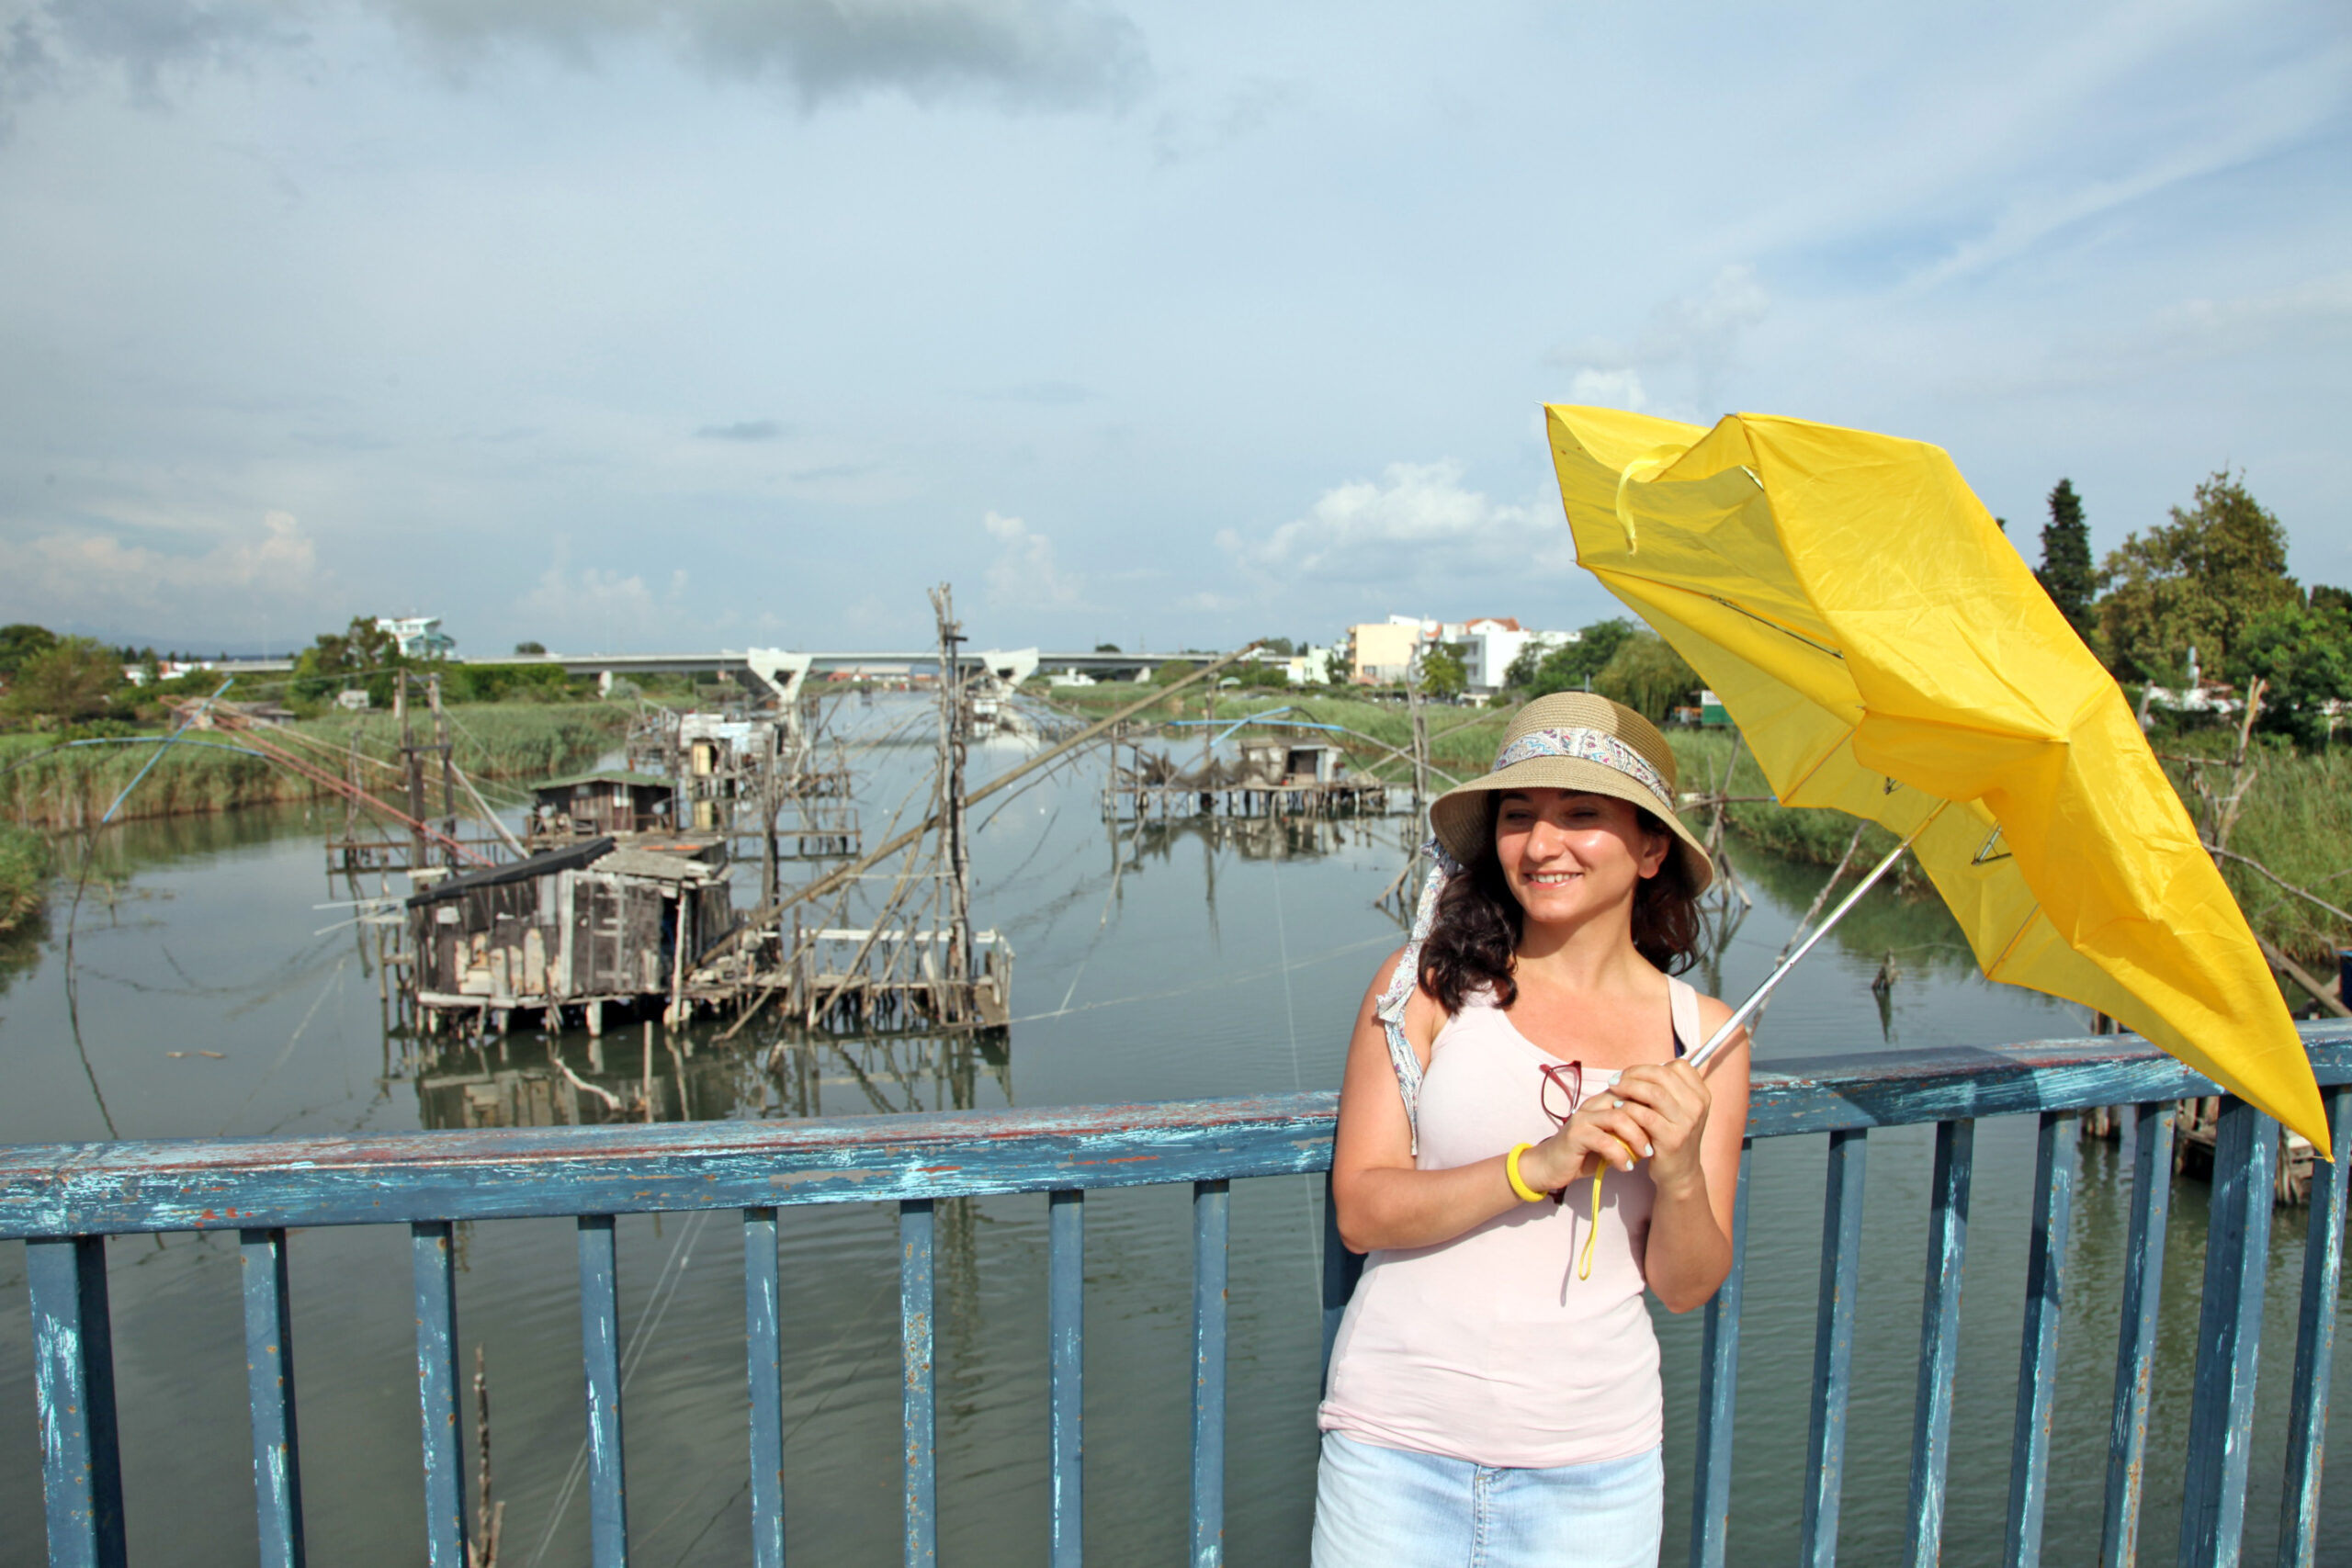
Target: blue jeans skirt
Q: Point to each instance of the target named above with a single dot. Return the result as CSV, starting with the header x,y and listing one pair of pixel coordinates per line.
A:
x,y
1378,1507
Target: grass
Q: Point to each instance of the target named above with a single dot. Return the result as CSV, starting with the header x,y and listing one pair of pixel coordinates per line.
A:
x,y
47,786
24,875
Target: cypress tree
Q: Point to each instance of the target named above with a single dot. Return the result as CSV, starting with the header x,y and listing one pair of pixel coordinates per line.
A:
x,y
2065,573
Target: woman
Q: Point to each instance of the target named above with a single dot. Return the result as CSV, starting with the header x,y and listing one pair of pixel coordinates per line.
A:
x,y
1494,1394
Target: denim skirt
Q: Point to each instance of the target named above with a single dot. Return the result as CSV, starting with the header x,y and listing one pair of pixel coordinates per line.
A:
x,y
1377,1507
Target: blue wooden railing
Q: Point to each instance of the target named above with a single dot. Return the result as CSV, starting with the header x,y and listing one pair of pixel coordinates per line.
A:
x,y
64,1201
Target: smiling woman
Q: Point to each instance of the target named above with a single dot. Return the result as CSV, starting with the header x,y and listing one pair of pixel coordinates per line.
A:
x,y
1496,1378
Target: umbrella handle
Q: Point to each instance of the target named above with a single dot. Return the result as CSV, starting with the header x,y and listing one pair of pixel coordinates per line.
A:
x,y
1746,1010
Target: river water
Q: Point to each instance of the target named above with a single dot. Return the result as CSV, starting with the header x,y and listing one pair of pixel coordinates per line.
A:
x,y
206,994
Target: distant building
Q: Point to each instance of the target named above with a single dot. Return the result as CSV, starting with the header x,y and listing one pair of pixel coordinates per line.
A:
x,y
418,636
1381,651
1311,666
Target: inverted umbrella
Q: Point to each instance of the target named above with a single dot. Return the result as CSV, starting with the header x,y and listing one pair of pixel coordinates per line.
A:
x,y
1886,652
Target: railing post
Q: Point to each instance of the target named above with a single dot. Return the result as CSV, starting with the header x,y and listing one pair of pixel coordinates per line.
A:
x,y
916,1407
1833,1348
1340,1270
600,1344
1210,1256
269,1390
1066,1334
2135,1343
73,1387
2229,1338
1718,1385
434,1266
2053,1209
2315,1339
763,1351
1940,1339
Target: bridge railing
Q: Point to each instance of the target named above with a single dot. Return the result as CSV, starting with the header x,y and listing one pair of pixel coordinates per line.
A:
x,y
66,1200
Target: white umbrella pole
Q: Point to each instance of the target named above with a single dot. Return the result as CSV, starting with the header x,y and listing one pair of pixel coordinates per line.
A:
x,y
1756,999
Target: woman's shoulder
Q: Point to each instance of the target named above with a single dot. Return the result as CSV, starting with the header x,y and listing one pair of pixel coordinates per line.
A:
x,y
1424,1014
1713,1014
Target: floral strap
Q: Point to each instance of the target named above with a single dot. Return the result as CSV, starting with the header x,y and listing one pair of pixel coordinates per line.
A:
x,y
1390,1010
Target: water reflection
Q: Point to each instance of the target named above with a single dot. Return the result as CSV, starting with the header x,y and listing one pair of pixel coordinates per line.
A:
x,y
538,1082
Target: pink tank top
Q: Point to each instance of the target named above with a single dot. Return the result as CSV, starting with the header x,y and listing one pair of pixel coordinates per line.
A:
x,y
1488,1347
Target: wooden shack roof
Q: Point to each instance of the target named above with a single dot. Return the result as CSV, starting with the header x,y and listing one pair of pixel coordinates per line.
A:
x,y
569,858
607,775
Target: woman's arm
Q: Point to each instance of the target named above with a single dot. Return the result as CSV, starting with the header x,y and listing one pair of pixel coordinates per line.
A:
x,y
1696,1123
1383,1201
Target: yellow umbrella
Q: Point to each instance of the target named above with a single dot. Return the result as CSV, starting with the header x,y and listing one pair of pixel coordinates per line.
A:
x,y
1886,652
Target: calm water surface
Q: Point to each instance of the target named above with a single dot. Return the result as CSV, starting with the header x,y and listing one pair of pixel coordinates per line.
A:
x,y
207,995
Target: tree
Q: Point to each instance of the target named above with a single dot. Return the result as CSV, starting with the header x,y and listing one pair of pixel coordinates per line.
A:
x,y
2066,573
1539,671
1648,676
1276,647
66,683
2304,653
20,642
1106,648
1172,672
1442,673
358,650
530,648
2193,583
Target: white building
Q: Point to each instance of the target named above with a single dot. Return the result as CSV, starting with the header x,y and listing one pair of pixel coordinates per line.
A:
x,y
1494,644
418,636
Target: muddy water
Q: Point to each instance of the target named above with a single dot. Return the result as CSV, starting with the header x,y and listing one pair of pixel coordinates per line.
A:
x,y
208,995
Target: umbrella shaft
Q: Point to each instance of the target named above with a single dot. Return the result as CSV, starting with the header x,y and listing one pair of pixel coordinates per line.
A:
x,y
1756,999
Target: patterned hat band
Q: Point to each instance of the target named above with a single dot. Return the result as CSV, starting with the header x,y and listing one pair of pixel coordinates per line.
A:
x,y
1588,745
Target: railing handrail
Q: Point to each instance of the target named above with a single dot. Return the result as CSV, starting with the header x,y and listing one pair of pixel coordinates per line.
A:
x,y
102,1189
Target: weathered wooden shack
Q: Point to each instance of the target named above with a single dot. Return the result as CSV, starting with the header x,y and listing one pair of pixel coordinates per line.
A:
x,y
596,804
1279,764
580,926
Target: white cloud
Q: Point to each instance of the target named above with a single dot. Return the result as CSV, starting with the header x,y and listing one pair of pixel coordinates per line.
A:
x,y
1692,340
92,576
1025,574
602,612
1417,521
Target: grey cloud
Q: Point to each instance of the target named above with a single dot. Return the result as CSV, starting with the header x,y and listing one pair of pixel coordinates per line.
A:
x,y
52,44
742,430
1049,52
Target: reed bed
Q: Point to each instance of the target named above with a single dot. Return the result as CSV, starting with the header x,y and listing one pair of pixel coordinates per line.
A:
x,y
24,875
49,785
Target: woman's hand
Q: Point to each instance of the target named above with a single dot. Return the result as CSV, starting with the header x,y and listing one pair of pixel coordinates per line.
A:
x,y
1655,1112
1669,1101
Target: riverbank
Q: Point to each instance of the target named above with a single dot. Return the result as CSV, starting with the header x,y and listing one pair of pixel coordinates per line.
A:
x,y
2295,819
24,875
49,785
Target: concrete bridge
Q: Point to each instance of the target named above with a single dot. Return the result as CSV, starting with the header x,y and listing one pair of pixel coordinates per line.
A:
x,y
882,665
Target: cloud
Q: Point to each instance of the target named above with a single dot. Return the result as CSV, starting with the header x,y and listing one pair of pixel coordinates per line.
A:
x,y
92,576
602,612
1042,53
1690,340
1056,53
1415,522
1025,574
742,430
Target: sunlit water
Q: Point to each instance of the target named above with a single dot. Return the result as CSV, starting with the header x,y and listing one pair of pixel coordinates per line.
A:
x,y
1167,963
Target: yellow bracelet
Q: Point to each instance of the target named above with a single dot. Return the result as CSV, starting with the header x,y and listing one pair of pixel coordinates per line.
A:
x,y
1519,1183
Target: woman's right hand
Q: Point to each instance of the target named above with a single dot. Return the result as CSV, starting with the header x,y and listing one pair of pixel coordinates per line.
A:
x,y
1602,1130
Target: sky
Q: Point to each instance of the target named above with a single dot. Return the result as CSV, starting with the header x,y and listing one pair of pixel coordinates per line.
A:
x,y
635,325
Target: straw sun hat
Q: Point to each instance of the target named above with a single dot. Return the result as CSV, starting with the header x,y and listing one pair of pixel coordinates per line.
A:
x,y
1580,742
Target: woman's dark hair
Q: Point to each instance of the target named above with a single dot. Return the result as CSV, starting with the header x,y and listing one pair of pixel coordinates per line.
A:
x,y
1474,938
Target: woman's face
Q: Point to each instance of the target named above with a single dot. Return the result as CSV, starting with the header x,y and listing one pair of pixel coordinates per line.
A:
x,y
1567,855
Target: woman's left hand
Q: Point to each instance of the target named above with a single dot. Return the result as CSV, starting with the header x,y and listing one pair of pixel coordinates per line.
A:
x,y
1670,1100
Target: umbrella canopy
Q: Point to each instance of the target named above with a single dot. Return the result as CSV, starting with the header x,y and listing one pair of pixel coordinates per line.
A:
x,y
1885,651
